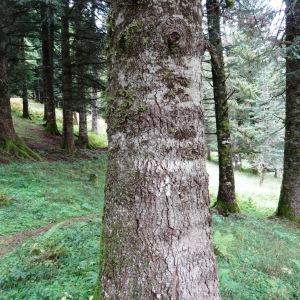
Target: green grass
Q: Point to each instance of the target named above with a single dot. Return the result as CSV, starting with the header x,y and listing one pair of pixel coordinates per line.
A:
x,y
97,140
258,258
59,263
45,193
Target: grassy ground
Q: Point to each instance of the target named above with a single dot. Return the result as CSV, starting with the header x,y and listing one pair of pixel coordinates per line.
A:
x,y
50,229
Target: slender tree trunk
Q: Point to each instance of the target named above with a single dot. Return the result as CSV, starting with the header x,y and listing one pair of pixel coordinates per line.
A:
x,y
226,201
24,83
95,114
94,102
68,135
208,153
83,139
156,226
289,202
48,77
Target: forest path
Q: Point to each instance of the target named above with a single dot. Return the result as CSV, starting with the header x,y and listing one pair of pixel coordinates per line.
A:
x,y
49,146
12,242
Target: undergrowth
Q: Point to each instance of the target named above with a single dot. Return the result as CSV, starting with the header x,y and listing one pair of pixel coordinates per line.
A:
x,y
45,192
258,258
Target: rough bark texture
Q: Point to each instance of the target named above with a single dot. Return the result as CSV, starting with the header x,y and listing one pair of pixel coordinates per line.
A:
x,y
68,135
156,228
9,141
24,83
289,202
47,49
6,124
226,201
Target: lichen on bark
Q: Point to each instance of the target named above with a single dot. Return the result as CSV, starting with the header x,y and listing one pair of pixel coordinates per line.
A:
x,y
156,226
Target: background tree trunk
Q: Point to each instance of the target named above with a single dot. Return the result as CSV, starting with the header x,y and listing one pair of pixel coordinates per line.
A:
x,y
226,200
24,84
7,131
9,140
289,202
94,94
68,135
95,114
48,77
83,139
156,227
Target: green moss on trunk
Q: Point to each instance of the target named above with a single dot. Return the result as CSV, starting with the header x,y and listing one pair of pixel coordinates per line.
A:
x,y
52,129
17,147
284,211
226,208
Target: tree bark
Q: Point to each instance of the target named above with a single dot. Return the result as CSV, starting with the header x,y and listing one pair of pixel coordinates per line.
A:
x,y
48,77
24,84
95,114
83,139
94,94
7,131
68,135
289,202
156,227
9,141
226,200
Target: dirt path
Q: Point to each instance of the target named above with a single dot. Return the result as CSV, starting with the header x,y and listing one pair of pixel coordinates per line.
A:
x,y
12,242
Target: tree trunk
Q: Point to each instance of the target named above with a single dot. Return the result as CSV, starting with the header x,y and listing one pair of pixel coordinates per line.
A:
x,y
7,131
289,202
94,102
95,114
9,141
156,227
83,139
24,84
47,49
226,201
68,135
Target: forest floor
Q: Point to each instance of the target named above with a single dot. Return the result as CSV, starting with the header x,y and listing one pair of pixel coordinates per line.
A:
x,y
50,230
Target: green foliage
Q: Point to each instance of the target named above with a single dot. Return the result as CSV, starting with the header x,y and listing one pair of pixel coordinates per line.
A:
x,y
97,140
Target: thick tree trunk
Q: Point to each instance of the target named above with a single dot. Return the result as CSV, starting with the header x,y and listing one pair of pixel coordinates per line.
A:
x,y
226,201
83,139
156,227
68,135
289,202
9,141
24,83
48,77
7,131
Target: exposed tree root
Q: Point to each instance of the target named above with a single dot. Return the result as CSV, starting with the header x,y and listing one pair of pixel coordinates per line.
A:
x,y
18,148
